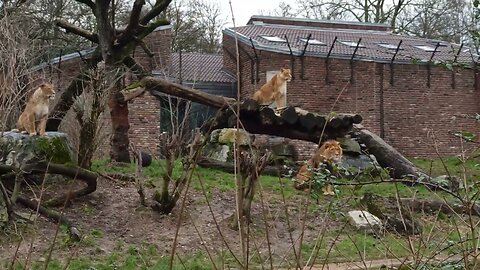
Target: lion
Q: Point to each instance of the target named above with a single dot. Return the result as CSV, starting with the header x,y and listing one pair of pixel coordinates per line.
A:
x,y
329,151
33,120
274,90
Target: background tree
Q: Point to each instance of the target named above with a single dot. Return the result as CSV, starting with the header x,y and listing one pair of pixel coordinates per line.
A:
x,y
450,20
115,45
374,11
197,25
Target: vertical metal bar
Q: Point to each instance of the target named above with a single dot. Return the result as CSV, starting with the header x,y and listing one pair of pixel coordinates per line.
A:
x,y
382,105
429,71
453,65
257,61
302,58
252,79
292,58
59,65
327,60
393,59
351,60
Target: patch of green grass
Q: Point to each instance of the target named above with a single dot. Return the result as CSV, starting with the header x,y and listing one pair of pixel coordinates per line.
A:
x,y
391,189
145,256
453,165
212,178
96,233
356,246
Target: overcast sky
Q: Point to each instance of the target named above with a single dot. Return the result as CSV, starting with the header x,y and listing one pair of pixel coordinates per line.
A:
x,y
244,9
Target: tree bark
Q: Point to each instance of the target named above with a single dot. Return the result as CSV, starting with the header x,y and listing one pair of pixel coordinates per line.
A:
x,y
387,156
120,126
293,123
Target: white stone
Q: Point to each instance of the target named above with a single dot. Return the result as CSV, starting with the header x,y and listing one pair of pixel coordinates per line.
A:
x,y
363,220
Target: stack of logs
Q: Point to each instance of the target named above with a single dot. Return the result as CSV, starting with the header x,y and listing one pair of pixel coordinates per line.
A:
x,y
292,122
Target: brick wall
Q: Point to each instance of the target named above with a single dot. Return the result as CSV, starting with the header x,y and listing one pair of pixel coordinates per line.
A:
x,y
413,114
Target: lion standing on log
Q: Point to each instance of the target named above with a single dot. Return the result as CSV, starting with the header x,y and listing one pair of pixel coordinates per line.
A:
x,y
274,90
33,120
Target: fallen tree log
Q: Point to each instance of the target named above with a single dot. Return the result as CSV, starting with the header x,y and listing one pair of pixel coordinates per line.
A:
x,y
52,214
387,156
73,172
293,123
432,206
152,84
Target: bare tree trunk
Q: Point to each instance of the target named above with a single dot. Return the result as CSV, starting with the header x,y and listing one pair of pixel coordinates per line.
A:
x,y
120,126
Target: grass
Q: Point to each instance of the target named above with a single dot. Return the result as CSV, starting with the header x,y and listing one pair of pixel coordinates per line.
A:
x,y
133,258
453,166
212,178
347,245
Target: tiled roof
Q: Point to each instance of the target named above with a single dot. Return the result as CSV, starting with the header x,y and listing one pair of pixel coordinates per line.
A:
x,y
370,40
197,67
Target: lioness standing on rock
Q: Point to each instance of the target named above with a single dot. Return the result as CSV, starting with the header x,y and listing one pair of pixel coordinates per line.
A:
x,y
33,120
274,90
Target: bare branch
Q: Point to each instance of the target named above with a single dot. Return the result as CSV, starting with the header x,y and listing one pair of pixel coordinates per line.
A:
x,y
133,23
135,67
89,3
159,6
70,28
145,47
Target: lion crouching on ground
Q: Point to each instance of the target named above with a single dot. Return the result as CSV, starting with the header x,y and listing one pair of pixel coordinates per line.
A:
x,y
329,151
33,120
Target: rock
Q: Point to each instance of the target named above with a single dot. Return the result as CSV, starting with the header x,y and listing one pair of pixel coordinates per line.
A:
x,y
26,215
350,146
283,149
364,221
229,135
19,149
217,152
214,136
449,182
361,163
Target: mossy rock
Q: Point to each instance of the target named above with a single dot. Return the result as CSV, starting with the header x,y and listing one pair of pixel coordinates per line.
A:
x,y
230,135
19,149
350,146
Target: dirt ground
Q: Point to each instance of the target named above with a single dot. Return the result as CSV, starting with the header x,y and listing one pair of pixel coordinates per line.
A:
x,y
114,210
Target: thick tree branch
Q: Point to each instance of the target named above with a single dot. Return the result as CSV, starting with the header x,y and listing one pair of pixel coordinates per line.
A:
x,y
74,90
160,6
70,28
132,24
163,86
135,67
145,48
89,3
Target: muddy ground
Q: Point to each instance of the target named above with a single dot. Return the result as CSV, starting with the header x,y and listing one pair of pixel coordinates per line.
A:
x,y
115,216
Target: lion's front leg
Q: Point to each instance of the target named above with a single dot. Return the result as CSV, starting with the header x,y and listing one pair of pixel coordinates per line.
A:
x,y
280,100
42,124
29,125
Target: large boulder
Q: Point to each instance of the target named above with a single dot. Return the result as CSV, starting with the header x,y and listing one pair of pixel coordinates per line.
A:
x,y
19,149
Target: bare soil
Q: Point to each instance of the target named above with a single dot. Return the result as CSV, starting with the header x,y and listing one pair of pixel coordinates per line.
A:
x,y
115,214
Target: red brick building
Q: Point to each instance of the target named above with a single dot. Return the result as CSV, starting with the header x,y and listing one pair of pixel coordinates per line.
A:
x,y
399,84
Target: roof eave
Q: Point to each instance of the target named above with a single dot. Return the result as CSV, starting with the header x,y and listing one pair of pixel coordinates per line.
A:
x,y
259,46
